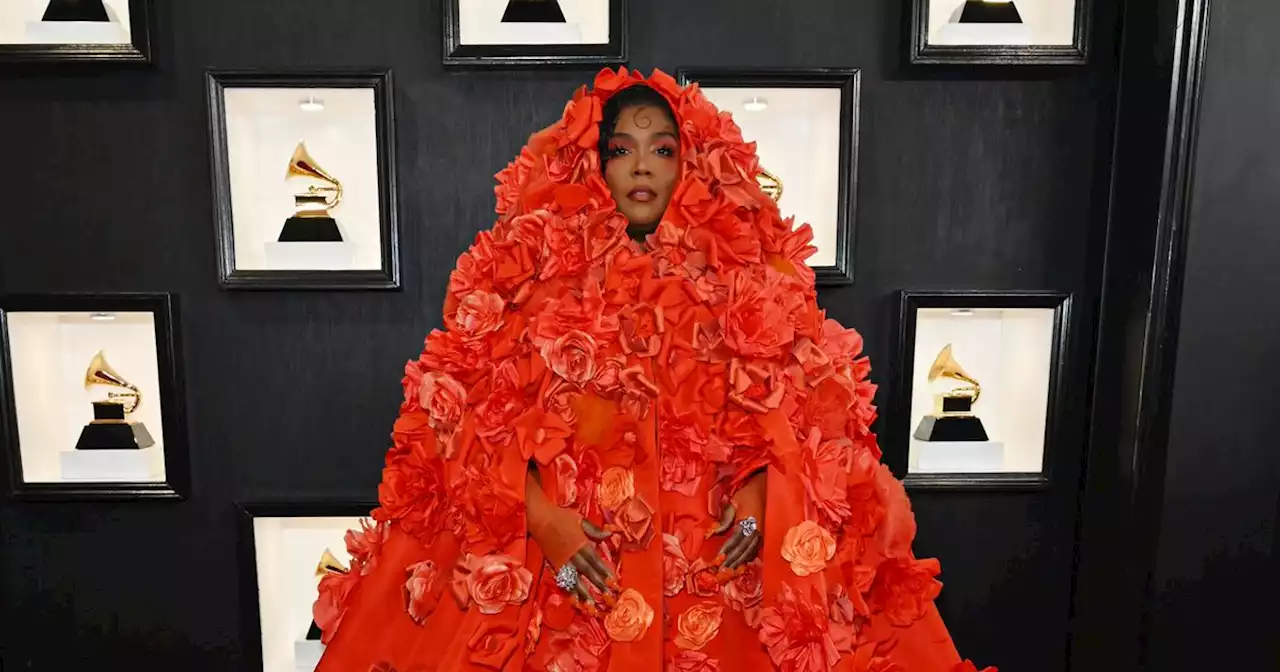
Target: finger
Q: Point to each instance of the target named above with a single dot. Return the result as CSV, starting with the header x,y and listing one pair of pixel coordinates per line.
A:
x,y
594,533
588,570
730,547
744,554
600,565
583,594
726,520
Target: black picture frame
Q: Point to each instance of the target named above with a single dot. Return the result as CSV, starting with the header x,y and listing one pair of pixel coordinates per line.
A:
x,y
177,459
460,55
387,277
250,510
897,443
849,82
925,53
137,52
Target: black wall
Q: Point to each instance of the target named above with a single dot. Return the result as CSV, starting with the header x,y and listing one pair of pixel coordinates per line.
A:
x,y
975,179
1215,583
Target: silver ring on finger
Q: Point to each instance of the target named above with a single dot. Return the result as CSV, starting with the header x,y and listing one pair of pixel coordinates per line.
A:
x,y
748,526
567,578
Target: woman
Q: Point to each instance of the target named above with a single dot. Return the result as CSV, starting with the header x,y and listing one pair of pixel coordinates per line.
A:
x,y
638,444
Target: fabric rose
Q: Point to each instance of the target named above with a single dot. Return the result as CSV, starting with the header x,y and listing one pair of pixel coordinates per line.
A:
x,y
825,477
796,632
808,546
479,313
698,625
693,661
635,521
365,544
572,356
492,644
642,329
617,485
420,591
745,590
757,318
701,579
491,582
442,397
412,493
674,565
903,589
331,602
630,618
755,388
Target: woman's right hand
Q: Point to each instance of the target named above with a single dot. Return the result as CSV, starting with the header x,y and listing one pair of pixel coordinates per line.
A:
x,y
567,538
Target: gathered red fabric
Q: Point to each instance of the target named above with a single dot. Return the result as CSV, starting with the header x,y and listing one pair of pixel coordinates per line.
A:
x,y
648,386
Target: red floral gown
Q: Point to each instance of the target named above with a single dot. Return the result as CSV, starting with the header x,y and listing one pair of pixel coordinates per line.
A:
x,y
646,385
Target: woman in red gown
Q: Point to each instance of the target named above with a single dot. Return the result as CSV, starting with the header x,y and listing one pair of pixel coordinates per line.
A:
x,y
638,444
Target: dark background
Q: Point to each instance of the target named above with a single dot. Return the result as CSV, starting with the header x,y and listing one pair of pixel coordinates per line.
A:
x,y
969,178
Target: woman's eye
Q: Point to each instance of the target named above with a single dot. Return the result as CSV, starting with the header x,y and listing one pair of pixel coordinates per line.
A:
x,y
666,151
617,151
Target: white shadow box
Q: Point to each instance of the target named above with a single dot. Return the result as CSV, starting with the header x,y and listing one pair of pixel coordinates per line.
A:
x,y
284,545
91,406
805,126
1000,32
979,378
506,33
75,30
304,180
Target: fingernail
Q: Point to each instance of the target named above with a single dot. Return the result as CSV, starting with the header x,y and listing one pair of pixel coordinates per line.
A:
x,y
610,600
720,559
742,569
613,583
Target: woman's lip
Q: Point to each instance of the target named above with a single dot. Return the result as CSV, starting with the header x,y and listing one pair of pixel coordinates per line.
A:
x,y
641,195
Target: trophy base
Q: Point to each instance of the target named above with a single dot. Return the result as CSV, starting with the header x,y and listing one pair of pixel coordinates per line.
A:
x,y
958,457
314,633
112,466
310,230
992,34
307,654
533,11
114,435
978,11
950,428
75,10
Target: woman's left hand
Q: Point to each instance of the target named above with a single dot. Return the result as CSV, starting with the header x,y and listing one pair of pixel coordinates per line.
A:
x,y
742,548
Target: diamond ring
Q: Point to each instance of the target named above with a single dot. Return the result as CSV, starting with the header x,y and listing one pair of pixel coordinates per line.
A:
x,y
748,526
567,578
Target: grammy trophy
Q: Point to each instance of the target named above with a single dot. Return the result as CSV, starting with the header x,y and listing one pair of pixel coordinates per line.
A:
x,y
953,418
109,429
312,220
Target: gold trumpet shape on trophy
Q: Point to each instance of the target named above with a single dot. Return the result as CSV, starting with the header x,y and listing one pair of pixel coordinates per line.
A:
x,y
329,564
315,201
770,184
946,366
311,220
101,373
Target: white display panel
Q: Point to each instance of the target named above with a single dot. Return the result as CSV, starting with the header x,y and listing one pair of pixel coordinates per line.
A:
x,y
797,136
50,353
1044,22
585,22
286,552
1009,351
339,128
21,23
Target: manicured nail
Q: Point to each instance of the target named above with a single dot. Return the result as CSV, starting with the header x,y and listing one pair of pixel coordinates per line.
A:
x,y
720,559
613,583
610,600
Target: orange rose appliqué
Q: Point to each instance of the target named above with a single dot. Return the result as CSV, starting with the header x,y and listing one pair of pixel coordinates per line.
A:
x,y
630,618
617,485
698,625
808,546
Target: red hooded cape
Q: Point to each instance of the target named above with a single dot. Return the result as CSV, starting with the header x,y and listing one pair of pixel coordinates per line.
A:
x,y
646,385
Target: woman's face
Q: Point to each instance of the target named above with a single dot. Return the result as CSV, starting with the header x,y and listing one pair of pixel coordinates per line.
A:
x,y
643,164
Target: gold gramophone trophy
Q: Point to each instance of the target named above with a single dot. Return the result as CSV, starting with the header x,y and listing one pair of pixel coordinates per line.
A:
x,y
990,11
311,221
75,10
533,11
770,184
109,429
328,565
953,418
